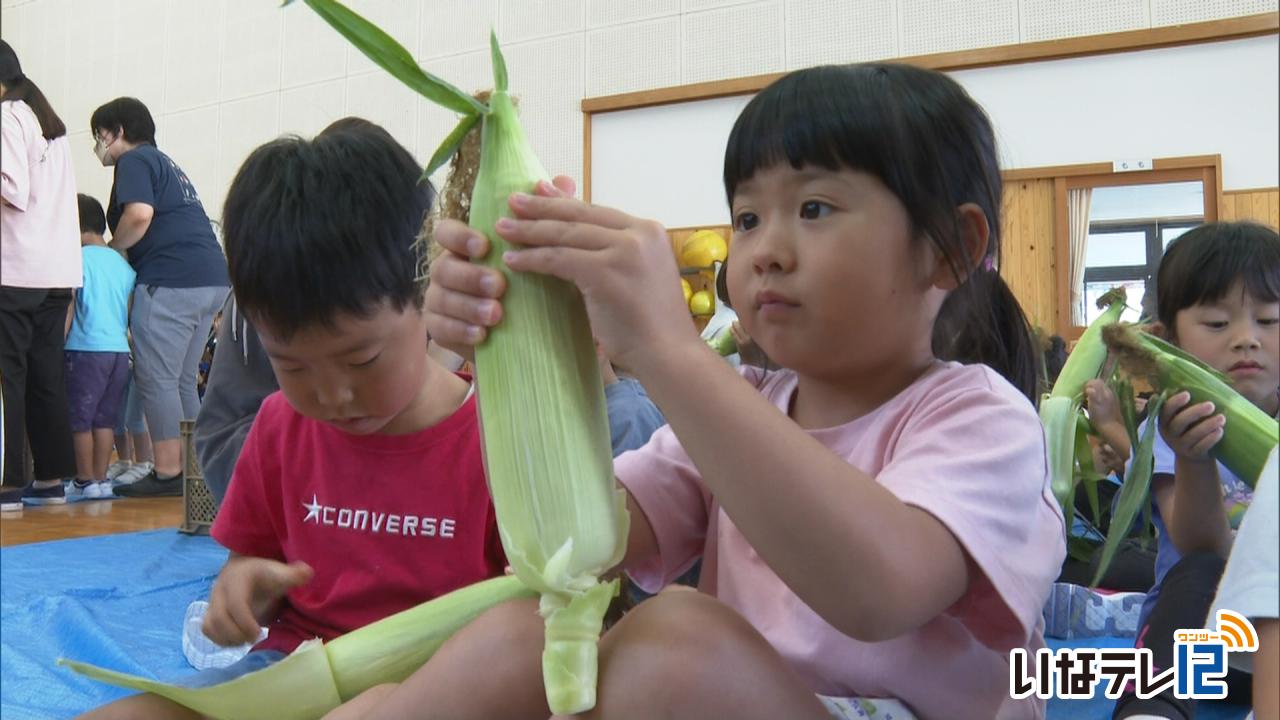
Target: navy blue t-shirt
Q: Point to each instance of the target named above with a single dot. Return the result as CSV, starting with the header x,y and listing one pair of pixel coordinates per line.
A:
x,y
179,249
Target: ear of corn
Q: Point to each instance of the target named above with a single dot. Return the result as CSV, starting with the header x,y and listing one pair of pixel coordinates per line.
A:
x,y
546,434
1087,357
1060,409
317,677
1249,434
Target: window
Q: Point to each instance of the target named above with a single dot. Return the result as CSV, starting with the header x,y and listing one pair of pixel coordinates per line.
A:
x,y
1127,253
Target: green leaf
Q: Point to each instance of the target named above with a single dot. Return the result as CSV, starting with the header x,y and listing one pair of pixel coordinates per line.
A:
x,y
451,144
392,57
499,64
1134,494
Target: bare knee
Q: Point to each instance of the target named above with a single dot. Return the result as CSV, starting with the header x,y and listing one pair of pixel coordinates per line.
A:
x,y
674,641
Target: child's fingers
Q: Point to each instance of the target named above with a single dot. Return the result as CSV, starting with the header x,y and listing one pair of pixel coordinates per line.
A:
x,y
455,335
469,309
461,240
1190,416
1207,439
566,209
458,275
566,263
559,186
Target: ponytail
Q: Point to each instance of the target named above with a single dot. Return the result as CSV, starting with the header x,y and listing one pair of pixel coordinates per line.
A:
x,y
24,88
982,322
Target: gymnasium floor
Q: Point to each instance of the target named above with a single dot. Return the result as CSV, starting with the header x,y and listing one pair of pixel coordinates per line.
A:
x,y
108,582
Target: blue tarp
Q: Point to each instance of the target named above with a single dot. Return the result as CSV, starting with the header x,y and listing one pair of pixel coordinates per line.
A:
x,y
113,600
118,601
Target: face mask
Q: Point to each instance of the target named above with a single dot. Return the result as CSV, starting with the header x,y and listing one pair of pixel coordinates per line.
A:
x,y
100,150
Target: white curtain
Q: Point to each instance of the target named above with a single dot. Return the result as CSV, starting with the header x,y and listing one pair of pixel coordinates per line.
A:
x,y
1078,235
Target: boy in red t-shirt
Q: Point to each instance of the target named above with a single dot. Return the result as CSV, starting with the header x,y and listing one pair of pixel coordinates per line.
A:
x,y
360,490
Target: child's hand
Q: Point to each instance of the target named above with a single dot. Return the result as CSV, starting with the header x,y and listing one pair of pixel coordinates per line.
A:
x,y
623,266
247,594
462,298
1190,430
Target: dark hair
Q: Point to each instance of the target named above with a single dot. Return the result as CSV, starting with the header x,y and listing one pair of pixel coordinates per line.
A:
x,y
922,135
350,122
1202,264
92,218
24,88
315,228
1055,356
127,116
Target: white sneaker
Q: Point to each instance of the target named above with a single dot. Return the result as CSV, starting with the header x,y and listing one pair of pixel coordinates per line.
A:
x,y
76,491
115,469
100,490
136,472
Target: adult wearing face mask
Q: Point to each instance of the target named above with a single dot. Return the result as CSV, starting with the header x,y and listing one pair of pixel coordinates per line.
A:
x,y
157,220
39,266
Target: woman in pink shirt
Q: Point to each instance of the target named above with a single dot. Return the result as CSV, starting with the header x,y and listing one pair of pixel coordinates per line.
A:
x,y
39,267
874,518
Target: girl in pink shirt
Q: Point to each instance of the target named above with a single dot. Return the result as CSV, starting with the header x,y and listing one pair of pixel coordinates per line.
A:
x,y
874,518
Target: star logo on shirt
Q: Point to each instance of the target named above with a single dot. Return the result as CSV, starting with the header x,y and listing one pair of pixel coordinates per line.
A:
x,y
313,510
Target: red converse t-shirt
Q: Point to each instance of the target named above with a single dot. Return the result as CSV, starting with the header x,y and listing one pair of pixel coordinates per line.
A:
x,y
386,521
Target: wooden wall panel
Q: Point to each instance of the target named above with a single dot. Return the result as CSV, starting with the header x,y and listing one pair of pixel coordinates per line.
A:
x,y
1257,205
1028,263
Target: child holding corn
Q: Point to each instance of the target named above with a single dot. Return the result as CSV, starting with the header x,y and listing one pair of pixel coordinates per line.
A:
x,y
360,490
1218,298
875,518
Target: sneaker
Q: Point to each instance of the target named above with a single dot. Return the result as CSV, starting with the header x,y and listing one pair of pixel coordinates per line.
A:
x,y
101,490
134,473
52,495
150,485
11,500
116,469
80,490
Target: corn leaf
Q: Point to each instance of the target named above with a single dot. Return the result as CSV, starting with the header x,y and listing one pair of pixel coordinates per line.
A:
x,y
451,144
316,678
1135,493
391,56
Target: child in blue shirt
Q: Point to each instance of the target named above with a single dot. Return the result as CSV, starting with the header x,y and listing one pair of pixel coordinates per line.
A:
x,y
97,352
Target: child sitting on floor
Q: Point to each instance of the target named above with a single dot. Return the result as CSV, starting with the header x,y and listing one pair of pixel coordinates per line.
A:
x,y
1218,299
875,517
360,490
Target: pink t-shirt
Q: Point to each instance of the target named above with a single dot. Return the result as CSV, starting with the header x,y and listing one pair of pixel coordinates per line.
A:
x,y
960,443
39,218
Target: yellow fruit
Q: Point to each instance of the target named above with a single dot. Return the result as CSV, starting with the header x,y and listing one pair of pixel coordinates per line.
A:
x,y
703,248
701,303
688,289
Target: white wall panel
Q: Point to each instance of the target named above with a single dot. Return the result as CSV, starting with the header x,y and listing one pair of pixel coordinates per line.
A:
x,y
193,54
822,32
733,42
601,13
91,72
451,27
1053,19
1176,12
528,19
635,56
308,109
547,78
243,125
140,68
192,139
932,26
252,51
313,51
381,98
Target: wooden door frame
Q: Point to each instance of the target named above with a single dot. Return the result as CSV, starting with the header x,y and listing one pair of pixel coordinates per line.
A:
x,y
1204,168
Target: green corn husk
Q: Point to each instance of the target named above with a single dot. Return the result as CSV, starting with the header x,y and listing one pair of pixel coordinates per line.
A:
x,y
317,677
723,342
1061,407
546,433
1249,434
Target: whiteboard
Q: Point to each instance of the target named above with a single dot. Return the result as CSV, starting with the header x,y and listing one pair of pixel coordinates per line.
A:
x,y
665,162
